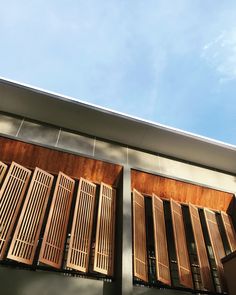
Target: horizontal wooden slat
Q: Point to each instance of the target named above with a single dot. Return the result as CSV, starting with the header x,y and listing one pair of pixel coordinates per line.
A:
x,y
161,251
51,252
11,197
139,237
184,268
205,270
105,232
217,244
229,229
25,238
80,240
3,170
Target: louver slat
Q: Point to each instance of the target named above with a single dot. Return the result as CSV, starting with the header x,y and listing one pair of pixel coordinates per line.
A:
x,y
205,271
79,246
229,229
11,196
139,237
25,238
184,269
216,242
51,252
105,231
161,251
3,170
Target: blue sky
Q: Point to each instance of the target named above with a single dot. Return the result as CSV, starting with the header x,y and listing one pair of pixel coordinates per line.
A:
x,y
171,62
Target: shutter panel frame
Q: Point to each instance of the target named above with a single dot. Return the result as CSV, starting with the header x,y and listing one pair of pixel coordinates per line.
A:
x,y
54,238
3,170
79,249
162,260
11,197
229,230
205,269
185,273
25,239
216,243
139,229
105,231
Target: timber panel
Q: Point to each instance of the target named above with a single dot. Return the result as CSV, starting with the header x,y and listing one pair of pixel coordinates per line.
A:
x,y
230,231
184,192
216,242
52,161
3,170
80,240
52,248
105,231
161,251
205,270
11,197
139,237
25,238
184,268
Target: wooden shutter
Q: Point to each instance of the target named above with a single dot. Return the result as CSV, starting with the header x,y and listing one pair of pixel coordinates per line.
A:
x,y
139,237
184,268
229,229
11,196
3,170
216,243
105,232
205,270
25,238
161,251
80,240
51,252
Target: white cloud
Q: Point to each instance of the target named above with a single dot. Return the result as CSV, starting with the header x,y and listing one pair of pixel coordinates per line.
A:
x,y
221,55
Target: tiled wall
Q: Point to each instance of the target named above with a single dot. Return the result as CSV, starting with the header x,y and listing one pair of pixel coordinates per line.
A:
x,y
51,136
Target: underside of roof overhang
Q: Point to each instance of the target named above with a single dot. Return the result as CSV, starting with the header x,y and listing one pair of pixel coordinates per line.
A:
x,y
79,116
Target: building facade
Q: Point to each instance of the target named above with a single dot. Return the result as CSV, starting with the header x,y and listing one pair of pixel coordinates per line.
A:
x,y
96,202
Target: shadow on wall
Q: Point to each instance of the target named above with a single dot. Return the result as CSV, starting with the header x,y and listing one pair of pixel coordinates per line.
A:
x,y
9,125
23,282
153,291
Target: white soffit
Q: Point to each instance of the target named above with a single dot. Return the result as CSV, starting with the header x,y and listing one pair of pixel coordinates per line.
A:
x,y
65,112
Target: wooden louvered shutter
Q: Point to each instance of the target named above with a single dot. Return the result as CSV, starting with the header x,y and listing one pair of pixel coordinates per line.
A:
x,y
229,229
51,252
139,237
216,243
161,251
11,196
80,240
25,238
205,270
3,170
184,268
105,231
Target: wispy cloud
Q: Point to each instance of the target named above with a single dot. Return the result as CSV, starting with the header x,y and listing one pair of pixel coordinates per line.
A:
x,y
221,55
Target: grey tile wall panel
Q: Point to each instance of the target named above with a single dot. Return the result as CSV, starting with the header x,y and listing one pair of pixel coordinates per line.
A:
x,y
39,133
45,283
9,125
142,160
76,143
111,152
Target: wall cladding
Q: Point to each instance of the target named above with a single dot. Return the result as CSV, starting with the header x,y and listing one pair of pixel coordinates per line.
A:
x,y
88,145
30,155
27,283
181,191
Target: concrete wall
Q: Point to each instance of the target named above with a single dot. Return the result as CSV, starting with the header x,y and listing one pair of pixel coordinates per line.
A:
x,y
25,282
